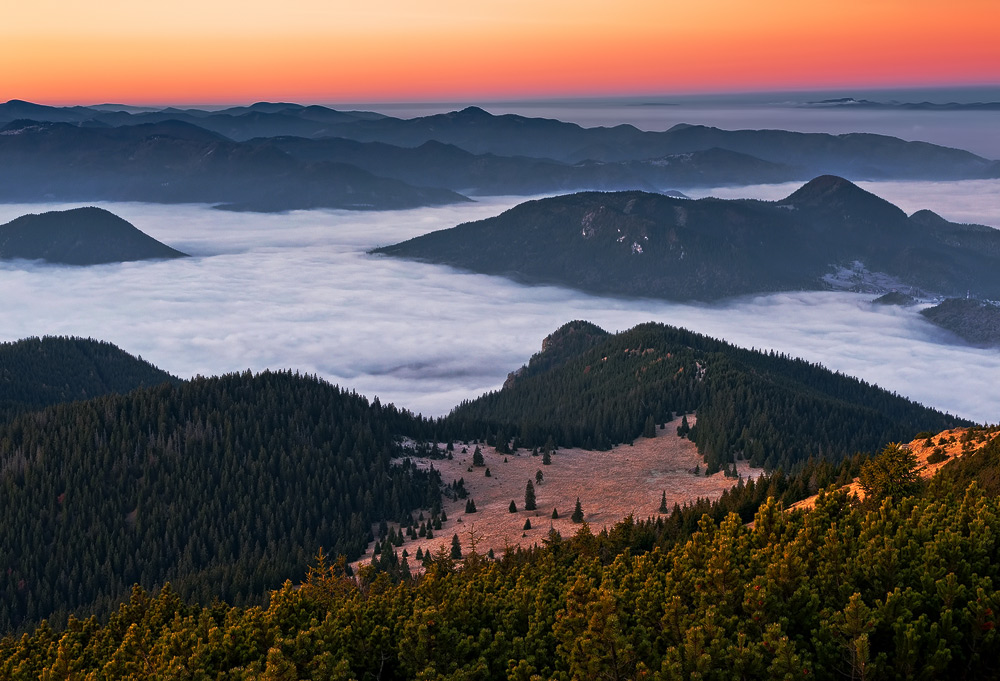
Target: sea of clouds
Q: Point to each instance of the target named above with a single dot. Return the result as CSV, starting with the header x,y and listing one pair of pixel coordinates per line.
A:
x,y
299,291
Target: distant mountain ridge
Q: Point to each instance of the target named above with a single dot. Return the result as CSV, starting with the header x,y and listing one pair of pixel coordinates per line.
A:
x,y
178,162
283,156
81,236
649,245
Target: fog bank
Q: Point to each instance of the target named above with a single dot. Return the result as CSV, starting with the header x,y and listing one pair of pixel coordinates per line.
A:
x,y
299,291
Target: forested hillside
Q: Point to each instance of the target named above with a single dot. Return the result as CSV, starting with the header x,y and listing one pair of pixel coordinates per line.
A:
x,y
224,486
593,391
899,588
36,372
644,245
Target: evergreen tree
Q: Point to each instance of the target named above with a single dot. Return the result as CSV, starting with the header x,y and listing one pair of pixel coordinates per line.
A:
x,y
470,506
577,516
529,497
527,524
456,547
539,477
546,458
513,507
477,458
555,514
663,503
649,430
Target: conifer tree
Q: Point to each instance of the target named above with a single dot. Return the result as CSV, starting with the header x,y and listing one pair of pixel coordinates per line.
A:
x,y
663,503
577,516
513,507
456,547
529,497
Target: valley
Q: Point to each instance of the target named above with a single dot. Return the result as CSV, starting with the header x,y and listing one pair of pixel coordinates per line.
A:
x,y
633,481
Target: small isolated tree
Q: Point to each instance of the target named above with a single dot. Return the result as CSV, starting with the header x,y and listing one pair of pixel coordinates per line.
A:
x,y
893,473
577,516
555,514
546,458
470,506
529,497
539,477
456,547
527,523
513,507
663,503
477,458
488,474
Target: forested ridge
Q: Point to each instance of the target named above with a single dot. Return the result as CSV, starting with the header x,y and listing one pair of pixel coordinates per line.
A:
x,y
899,588
224,486
591,389
37,372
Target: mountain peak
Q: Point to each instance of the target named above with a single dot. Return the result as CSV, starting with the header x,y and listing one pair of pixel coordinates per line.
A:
x,y
831,192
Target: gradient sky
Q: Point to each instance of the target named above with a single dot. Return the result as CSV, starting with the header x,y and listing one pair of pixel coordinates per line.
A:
x,y
233,51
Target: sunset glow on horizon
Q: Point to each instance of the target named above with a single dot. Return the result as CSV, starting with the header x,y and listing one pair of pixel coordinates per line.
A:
x,y
229,51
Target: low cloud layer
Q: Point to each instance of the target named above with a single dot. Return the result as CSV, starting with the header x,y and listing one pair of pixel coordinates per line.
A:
x,y
298,291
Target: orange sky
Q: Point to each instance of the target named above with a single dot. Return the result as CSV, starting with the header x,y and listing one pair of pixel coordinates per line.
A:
x,y
238,51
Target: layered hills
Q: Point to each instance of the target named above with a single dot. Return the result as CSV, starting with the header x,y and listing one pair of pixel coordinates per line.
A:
x,y
226,486
650,245
81,236
279,156
178,162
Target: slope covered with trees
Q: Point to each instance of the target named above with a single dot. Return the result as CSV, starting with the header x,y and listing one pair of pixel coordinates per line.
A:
x,y
81,236
899,588
224,486
592,390
650,245
37,372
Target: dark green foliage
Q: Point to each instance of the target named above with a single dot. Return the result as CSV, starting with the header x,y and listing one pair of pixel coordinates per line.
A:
x,y
649,430
936,456
527,524
892,473
663,503
456,547
37,372
80,236
546,458
513,507
529,497
470,506
224,486
477,457
771,409
555,514
906,591
975,321
641,244
539,476
577,516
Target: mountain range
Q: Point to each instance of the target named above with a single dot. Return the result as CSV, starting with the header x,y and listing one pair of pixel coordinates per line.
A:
x,y
275,157
829,233
115,473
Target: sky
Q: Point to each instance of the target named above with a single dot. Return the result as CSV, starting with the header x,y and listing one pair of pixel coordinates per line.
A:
x,y
299,291
238,51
